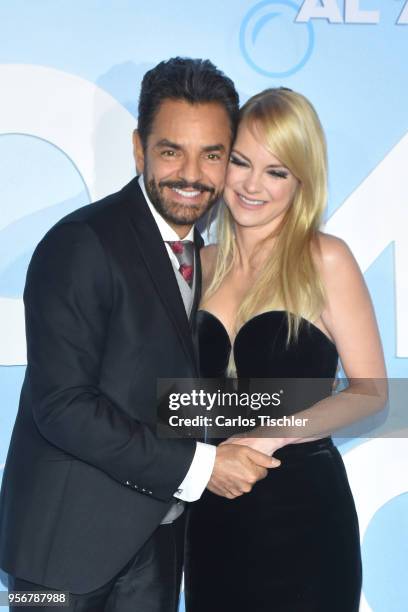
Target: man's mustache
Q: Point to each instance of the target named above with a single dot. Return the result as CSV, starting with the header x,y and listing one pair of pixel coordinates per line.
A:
x,y
185,185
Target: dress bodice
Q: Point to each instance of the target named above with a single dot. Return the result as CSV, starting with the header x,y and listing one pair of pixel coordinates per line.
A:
x,y
292,542
261,349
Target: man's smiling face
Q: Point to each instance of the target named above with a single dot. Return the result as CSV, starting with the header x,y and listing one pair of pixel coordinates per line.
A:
x,y
185,160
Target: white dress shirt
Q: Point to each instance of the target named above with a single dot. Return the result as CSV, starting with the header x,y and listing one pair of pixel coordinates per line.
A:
x,y
202,465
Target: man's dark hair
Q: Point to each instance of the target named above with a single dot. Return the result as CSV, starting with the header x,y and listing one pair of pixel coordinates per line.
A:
x,y
193,80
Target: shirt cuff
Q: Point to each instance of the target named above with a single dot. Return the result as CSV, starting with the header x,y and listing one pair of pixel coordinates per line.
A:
x,y
198,474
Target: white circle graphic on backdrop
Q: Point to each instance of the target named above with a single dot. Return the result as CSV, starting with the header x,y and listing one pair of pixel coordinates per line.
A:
x,y
378,472
87,124
272,43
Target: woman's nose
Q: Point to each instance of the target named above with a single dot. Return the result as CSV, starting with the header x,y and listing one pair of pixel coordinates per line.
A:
x,y
252,182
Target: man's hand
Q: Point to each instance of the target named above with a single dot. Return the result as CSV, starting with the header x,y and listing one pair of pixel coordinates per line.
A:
x,y
237,468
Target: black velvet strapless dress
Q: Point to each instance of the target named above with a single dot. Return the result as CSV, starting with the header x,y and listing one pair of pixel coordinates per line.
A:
x,y
292,543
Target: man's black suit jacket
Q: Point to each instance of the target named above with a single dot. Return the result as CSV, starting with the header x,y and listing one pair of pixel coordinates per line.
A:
x,y
86,480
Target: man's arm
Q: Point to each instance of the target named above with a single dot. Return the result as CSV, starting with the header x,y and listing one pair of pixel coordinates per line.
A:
x,y
225,470
198,474
68,299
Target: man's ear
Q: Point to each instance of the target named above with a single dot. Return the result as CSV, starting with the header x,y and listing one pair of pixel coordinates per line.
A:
x,y
138,152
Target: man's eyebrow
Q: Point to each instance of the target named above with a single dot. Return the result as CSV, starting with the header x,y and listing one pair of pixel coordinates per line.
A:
x,y
167,143
164,142
216,147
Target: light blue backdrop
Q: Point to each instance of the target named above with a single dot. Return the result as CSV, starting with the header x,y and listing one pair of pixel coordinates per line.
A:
x,y
62,143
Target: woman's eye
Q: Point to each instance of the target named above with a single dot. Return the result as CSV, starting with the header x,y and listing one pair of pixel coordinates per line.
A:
x,y
237,161
278,174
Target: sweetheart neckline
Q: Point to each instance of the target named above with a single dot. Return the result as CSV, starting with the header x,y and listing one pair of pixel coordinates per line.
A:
x,y
261,314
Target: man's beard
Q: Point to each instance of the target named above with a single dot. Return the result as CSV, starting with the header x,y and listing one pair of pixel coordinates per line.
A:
x,y
175,212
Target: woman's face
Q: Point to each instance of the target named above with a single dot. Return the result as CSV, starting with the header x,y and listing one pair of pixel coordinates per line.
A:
x,y
258,189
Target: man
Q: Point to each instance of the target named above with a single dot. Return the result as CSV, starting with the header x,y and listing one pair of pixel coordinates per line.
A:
x,y
89,498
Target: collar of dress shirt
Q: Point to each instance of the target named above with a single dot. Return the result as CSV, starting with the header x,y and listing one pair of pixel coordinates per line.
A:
x,y
166,231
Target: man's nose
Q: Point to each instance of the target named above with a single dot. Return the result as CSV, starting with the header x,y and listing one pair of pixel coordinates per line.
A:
x,y
190,169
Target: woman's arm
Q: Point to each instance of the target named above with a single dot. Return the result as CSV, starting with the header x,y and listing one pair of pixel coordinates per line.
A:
x,y
349,314
349,319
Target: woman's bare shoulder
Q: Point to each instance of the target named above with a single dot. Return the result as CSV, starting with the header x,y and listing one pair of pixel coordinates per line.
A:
x,y
339,271
348,314
332,252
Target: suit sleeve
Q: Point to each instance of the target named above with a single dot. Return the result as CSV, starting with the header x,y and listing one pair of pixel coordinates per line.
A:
x,y
68,300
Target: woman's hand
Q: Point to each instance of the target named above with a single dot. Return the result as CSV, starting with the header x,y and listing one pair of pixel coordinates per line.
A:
x,y
266,445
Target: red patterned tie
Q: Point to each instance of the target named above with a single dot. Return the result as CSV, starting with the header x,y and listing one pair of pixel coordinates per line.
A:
x,y
184,251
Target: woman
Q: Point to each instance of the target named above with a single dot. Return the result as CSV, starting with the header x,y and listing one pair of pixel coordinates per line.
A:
x,y
283,300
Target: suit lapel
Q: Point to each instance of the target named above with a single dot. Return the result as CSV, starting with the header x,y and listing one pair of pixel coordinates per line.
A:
x,y
198,244
155,256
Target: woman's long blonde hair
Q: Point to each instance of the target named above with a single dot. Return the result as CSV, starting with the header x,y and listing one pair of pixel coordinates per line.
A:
x,y
289,126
